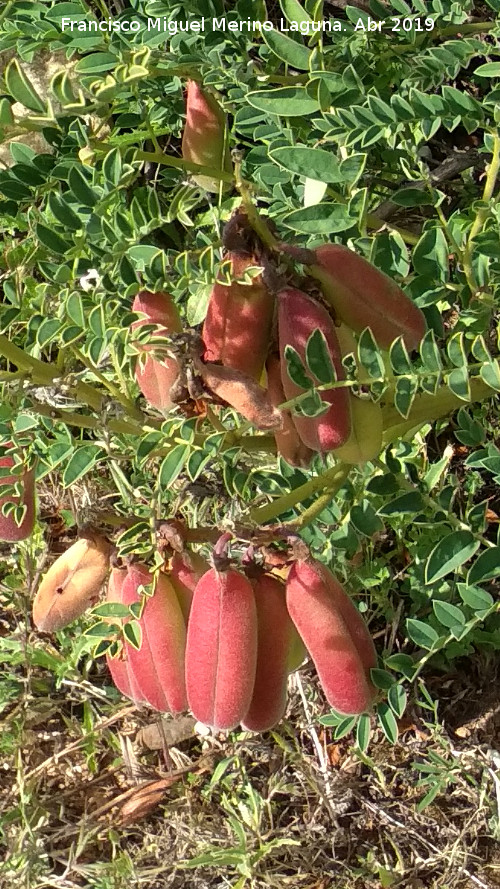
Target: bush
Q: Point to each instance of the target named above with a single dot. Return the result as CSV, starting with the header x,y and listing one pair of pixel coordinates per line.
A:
x,y
384,140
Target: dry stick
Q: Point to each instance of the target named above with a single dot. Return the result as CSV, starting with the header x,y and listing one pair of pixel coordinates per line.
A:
x,y
449,168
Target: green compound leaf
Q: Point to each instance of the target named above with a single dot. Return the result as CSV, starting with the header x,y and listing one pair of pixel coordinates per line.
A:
x,y
421,633
21,89
449,554
318,358
447,614
289,101
313,163
486,566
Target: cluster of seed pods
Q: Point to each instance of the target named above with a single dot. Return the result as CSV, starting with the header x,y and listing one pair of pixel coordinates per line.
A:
x,y
217,640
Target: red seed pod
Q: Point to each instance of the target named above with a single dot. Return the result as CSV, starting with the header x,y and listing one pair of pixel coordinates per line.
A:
x,y
335,636
185,571
158,667
276,635
203,138
363,296
9,530
221,649
119,667
237,327
299,315
155,377
288,442
72,584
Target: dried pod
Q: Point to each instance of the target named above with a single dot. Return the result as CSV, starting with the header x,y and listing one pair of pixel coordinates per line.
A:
x,y
72,584
156,377
299,316
158,666
221,649
9,529
204,136
276,634
288,442
363,296
335,635
240,392
237,326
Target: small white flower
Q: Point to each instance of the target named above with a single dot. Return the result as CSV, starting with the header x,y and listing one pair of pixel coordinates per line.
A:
x,y
90,280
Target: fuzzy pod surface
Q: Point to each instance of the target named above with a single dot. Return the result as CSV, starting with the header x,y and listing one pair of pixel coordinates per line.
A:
x,y
298,316
158,666
363,296
185,571
237,327
119,667
221,649
156,377
335,636
275,639
9,530
288,441
204,137
72,584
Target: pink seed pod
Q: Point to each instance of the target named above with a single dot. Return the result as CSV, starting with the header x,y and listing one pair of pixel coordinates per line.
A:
x,y
154,377
203,138
237,326
288,441
363,296
119,667
298,316
276,634
158,666
185,571
221,649
334,634
9,530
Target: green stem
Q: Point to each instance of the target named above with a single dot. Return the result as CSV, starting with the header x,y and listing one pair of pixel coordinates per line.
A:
x,y
258,224
482,214
328,482
129,406
84,421
408,237
40,373
158,157
427,407
312,512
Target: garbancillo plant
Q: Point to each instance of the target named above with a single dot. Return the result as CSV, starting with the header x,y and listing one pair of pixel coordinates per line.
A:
x,y
73,357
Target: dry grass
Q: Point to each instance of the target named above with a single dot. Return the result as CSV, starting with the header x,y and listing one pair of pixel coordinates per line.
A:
x,y
287,808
